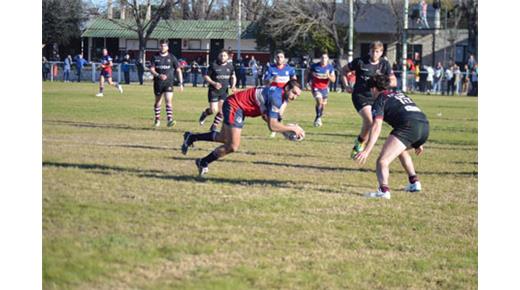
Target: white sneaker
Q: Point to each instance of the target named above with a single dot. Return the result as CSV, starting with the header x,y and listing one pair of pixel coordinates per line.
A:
x,y
272,135
413,187
317,122
157,123
99,94
378,194
120,88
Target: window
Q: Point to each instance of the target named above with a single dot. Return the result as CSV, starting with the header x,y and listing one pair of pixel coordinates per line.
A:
x,y
194,44
460,53
152,44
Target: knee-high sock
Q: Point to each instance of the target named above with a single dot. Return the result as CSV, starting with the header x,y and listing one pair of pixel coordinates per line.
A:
x,y
209,136
169,112
218,119
209,158
157,112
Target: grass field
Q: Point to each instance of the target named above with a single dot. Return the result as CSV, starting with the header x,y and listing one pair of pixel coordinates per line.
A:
x,y
123,208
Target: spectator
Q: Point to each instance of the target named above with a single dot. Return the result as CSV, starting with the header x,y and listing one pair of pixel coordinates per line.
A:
x,y
449,81
140,69
437,78
429,79
80,63
423,21
457,78
471,62
195,71
474,80
46,69
67,64
417,77
125,67
242,73
204,71
423,75
465,80
254,71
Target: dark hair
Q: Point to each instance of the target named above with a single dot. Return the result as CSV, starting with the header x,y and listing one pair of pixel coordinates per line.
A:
x,y
223,50
278,51
291,84
381,82
163,41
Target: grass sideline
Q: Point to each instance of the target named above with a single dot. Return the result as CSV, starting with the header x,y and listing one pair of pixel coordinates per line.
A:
x,y
123,208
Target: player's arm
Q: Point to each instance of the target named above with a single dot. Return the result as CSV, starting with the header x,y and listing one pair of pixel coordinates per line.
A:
x,y
346,70
375,130
308,76
277,126
179,77
332,76
152,69
391,76
292,74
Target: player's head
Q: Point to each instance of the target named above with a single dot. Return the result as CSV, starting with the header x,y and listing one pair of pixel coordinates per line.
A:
x,y
223,56
105,52
376,50
279,57
324,59
378,83
163,45
293,89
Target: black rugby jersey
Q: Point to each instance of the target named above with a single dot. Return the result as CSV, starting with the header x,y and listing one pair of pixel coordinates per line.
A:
x,y
364,70
220,73
165,65
396,108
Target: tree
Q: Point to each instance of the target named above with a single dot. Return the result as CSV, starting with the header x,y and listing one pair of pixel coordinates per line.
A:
x,y
291,21
145,19
61,21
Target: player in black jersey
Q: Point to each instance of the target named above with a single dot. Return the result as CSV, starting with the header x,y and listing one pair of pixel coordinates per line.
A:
x,y
366,67
221,74
410,131
163,65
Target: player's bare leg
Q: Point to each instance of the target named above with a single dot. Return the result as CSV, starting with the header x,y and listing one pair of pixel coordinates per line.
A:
x,y
169,108
359,144
414,184
116,85
320,105
392,148
212,108
101,86
218,117
231,138
157,110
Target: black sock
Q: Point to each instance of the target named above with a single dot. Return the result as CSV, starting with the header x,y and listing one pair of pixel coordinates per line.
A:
x,y
360,140
413,178
208,159
317,108
210,136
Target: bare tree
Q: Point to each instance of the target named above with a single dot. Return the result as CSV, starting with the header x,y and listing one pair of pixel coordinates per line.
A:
x,y
295,20
144,19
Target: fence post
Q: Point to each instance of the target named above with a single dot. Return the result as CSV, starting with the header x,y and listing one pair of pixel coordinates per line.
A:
x,y
302,78
93,72
52,72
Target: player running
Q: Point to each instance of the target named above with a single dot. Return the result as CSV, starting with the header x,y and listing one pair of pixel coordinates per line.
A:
x,y
319,76
278,74
163,65
365,67
410,130
220,74
106,73
267,102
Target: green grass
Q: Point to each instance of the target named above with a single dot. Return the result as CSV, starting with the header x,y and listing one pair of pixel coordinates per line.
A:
x,y
123,208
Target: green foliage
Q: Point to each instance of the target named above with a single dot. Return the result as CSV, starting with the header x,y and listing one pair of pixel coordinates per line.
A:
x,y
123,208
61,20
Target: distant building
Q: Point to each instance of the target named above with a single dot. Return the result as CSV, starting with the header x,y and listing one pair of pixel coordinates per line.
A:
x,y
189,39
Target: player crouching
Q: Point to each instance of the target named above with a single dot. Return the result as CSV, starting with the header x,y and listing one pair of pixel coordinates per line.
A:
x,y
262,101
410,130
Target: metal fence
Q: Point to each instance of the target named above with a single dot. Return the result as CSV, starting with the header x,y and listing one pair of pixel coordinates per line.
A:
x,y
415,84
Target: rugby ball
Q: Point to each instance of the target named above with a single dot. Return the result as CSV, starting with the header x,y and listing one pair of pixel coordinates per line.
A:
x,y
291,135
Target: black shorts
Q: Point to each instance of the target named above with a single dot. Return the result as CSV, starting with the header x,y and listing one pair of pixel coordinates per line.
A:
x,y
413,133
362,99
160,87
217,96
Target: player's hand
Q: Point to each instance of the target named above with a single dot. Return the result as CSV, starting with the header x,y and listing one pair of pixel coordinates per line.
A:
x,y
349,89
233,89
298,130
419,151
163,77
361,157
217,85
181,87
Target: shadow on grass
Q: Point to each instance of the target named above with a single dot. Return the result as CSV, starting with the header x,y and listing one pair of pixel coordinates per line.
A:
x,y
159,174
109,126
